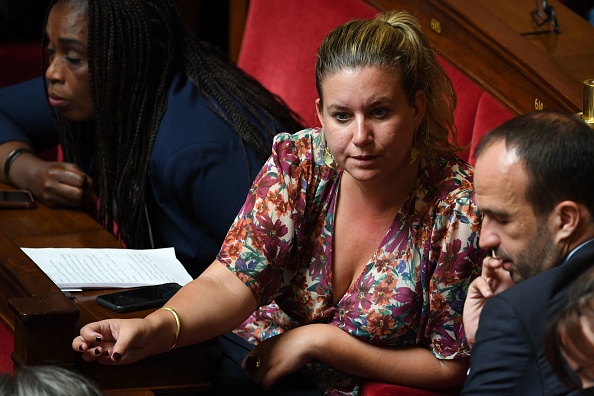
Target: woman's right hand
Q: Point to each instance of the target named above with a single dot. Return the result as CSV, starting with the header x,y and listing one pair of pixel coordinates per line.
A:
x,y
225,302
120,341
493,280
62,184
57,184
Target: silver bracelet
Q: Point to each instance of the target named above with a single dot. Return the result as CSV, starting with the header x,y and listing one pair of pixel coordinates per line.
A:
x,y
14,154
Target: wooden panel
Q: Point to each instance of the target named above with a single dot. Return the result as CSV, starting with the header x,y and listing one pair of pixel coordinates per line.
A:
x,y
571,48
20,278
45,320
237,16
514,69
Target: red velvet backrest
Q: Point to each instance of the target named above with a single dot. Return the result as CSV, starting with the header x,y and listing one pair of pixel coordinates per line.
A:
x,y
477,112
468,94
280,44
6,348
489,114
372,388
19,61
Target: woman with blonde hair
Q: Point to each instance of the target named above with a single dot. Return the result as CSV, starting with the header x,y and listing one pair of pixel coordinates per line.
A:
x,y
353,252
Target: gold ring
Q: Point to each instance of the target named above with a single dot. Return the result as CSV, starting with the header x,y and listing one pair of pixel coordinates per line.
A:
x,y
252,364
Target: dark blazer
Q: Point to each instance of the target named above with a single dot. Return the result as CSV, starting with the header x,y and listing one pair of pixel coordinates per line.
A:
x,y
508,356
200,170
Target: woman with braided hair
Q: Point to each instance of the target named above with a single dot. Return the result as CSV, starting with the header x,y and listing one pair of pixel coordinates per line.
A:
x,y
161,128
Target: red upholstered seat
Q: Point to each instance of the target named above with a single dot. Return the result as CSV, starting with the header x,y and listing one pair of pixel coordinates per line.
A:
x,y
19,61
280,43
6,348
477,112
489,114
468,94
372,388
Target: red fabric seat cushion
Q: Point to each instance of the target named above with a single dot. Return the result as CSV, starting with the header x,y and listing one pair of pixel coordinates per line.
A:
x,y
372,388
19,61
281,41
6,349
467,94
489,115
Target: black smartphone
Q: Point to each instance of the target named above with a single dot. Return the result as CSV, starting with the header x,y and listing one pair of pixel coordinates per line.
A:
x,y
139,298
16,199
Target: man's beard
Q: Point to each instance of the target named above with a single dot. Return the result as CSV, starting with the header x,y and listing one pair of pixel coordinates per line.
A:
x,y
538,255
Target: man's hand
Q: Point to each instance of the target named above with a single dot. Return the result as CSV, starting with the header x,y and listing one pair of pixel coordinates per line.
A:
x,y
493,280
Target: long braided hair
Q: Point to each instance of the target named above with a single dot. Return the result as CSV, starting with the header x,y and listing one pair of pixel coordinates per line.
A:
x,y
135,49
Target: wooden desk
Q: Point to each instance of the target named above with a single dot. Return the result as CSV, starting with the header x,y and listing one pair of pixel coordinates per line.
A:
x,y
44,320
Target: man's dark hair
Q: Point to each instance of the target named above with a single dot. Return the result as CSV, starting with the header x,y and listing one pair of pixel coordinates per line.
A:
x,y
135,49
557,152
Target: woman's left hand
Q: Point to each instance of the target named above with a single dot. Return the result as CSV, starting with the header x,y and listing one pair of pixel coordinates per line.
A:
x,y
282,355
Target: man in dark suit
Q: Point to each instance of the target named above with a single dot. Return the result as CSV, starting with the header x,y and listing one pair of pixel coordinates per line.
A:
x,y
534,184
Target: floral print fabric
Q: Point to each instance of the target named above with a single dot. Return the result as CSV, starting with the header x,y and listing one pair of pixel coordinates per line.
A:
x,y
411,291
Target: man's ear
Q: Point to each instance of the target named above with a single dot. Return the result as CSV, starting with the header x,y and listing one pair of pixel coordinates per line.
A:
x,y
319,112
567,217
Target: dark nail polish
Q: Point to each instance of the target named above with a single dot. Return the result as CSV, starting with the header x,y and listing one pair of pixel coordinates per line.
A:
x,y
117,356
80,348
98,339
106,353
97,351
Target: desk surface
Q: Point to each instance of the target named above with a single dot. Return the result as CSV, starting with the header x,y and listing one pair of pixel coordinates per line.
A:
x,y
44,320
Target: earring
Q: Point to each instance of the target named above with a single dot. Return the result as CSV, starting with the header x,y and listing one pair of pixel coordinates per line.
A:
x,y
414,153
328,158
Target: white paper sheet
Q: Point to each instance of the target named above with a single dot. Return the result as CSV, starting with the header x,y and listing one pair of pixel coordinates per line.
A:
x,y
83,268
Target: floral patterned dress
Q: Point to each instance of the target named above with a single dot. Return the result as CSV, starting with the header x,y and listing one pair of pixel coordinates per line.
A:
x,y
411,291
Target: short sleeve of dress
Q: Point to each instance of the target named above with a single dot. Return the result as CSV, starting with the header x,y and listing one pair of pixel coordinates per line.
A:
x,y
458,259
258,245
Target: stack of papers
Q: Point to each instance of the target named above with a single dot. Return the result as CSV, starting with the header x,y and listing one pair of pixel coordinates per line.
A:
x,y
84,268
